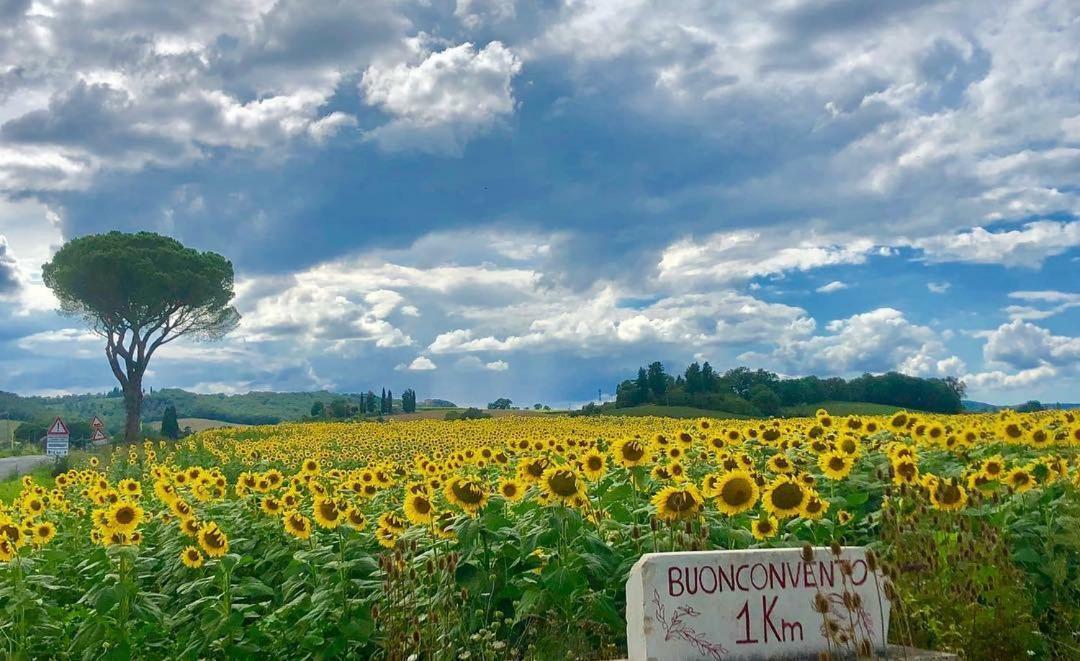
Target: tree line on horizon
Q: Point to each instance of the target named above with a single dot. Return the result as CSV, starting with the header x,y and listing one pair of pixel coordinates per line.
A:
x,y
365,404
761,392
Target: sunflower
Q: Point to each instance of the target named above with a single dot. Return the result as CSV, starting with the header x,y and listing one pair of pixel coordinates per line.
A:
x,y
849,445
130,488
780,464
836,465
511,489
674,503
843,517
898,421
190,526
355,518
561,484
764,527
736,491
785,496
593,465
948,496
905,471
467,493
814,508
533,469
993,467
386,537
192,557
392,521
213,540
630,452
1012,431
1020,480
326,512
7,550
296,524
43,533
271,505
418,509
125,517
443,526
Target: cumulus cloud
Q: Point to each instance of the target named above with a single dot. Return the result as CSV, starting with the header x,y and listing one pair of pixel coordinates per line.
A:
x,y
831,287
938,287
1041,304
1023,345
9,270
474,14
741,255
118,87
419,364
472,364
877,341
598,323
1028,246
445,99
1000,380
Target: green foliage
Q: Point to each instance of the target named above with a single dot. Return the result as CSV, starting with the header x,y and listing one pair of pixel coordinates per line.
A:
x,y
501,403
760,392
470,413
170,426
136,280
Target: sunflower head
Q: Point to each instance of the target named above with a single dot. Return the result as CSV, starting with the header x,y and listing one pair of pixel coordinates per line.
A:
x,y
192,557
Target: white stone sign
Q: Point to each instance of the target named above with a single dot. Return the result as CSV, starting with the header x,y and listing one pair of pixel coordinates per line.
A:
x,y
755,604
57,439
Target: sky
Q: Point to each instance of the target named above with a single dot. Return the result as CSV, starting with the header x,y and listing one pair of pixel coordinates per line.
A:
x,y
486,198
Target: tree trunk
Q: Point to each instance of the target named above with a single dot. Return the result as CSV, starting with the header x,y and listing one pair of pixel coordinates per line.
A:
x,y
133,397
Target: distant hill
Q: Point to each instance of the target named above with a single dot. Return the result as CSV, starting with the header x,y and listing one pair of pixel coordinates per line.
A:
x,y
982,407
252,408
436,404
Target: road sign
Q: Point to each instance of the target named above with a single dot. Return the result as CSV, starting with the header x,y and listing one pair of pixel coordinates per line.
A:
x,y
97,424
755,604
57,439
99,438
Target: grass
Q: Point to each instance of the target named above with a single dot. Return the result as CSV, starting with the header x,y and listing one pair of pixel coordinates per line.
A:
x,y
673,412
841,408
9,489
202,424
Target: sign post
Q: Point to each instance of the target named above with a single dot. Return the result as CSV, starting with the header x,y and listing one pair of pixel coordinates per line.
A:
x,y
754,604
57,439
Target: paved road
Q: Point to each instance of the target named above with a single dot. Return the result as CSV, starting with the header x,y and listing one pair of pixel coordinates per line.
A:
x,y
14,466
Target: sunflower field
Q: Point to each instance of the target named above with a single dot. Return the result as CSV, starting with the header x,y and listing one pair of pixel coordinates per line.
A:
x,y
513,537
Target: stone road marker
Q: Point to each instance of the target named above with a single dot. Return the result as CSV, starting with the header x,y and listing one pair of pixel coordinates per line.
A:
x,y
756,604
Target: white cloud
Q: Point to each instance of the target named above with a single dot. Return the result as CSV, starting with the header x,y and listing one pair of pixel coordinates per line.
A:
x,y
938,287
472,363
1028,246
998,379
596,323
419,364
444,100
1023,345
474,14
1059,302
875,341
833,286
741,255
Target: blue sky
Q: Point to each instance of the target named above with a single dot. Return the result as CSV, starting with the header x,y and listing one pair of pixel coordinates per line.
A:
x,y
483,198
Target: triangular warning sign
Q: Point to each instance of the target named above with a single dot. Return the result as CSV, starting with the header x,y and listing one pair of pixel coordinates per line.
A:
x,y
96,423
58,428
98,436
